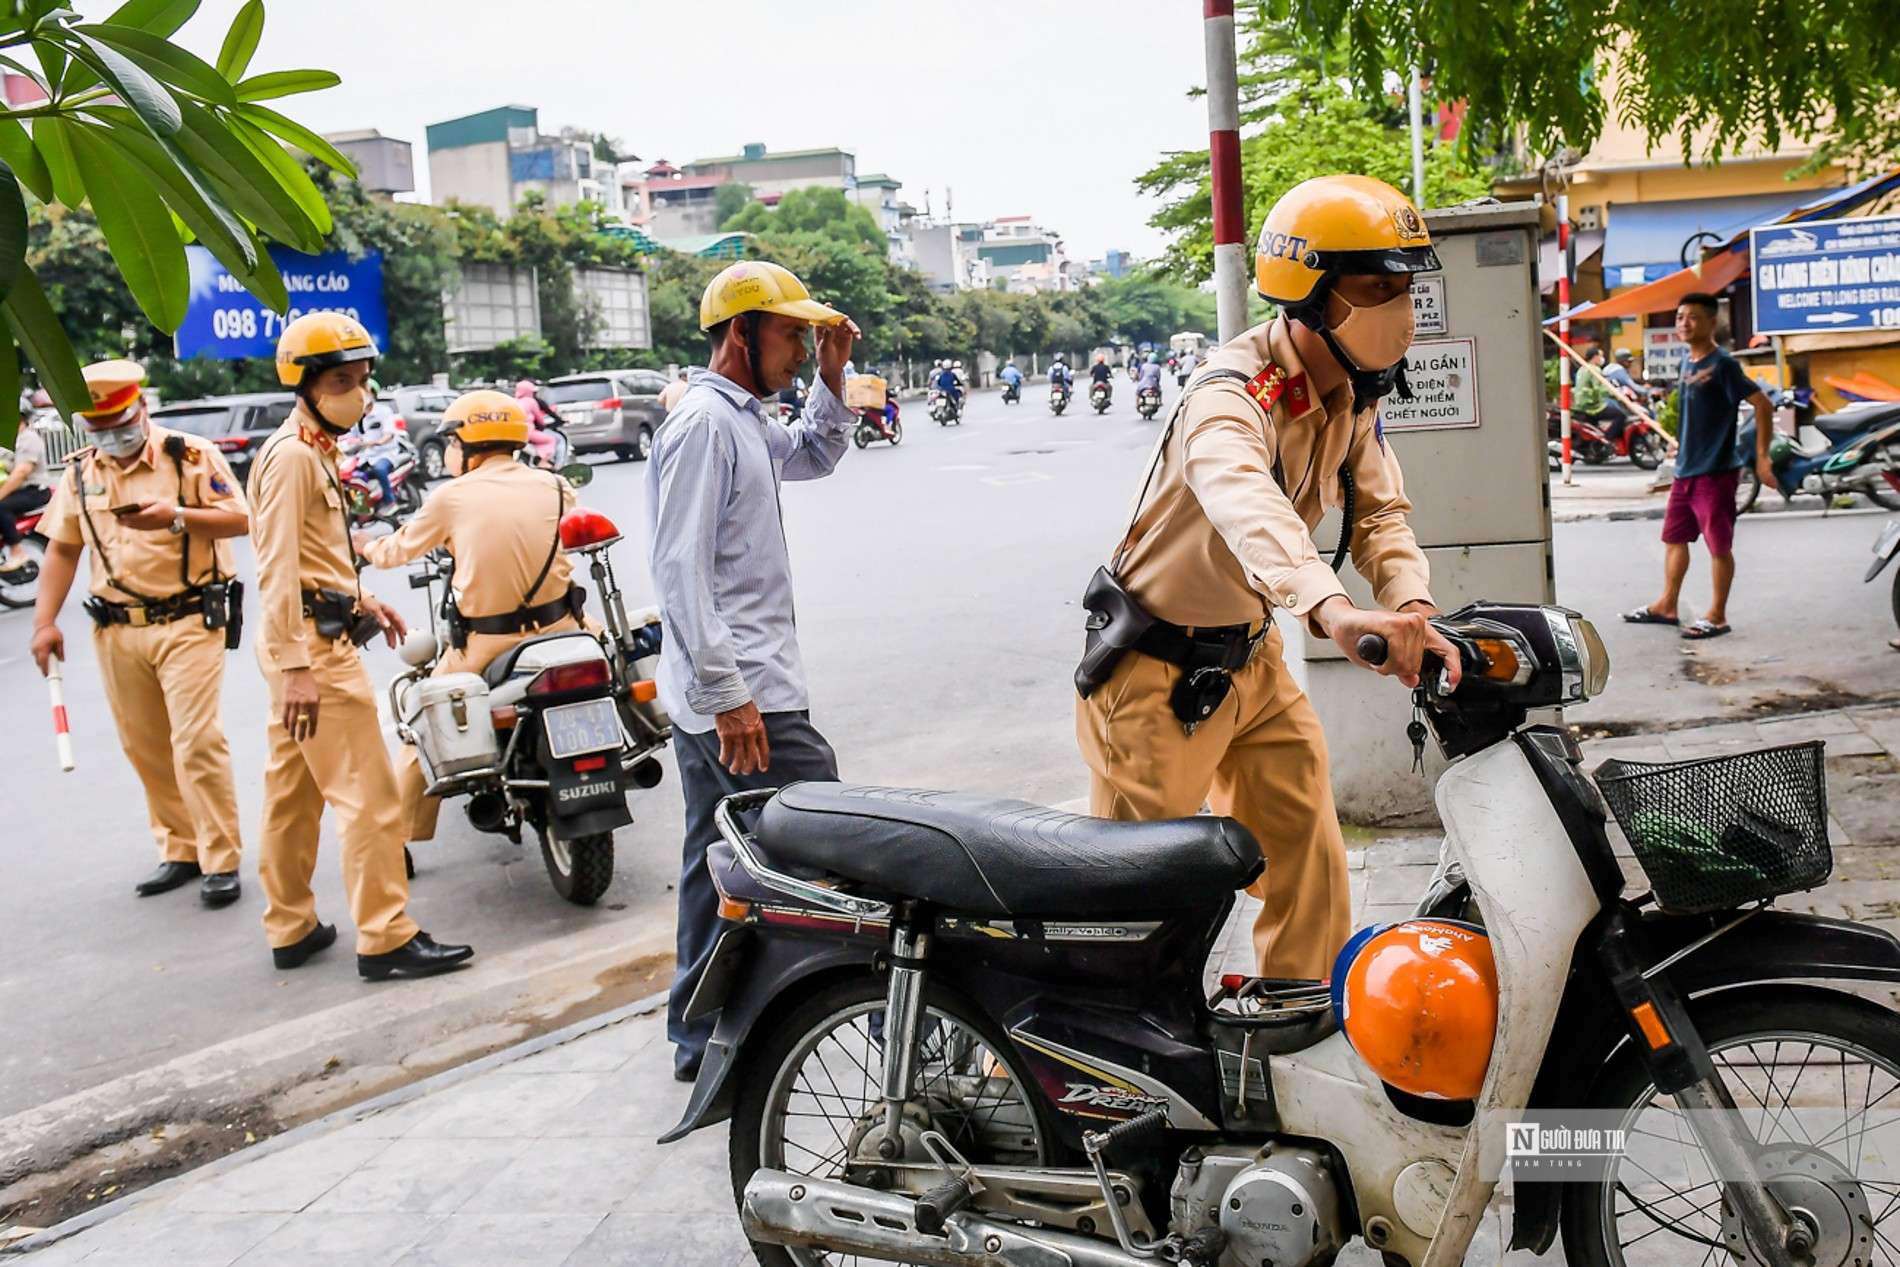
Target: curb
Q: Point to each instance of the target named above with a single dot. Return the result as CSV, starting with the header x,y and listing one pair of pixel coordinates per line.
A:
x,y
332,1121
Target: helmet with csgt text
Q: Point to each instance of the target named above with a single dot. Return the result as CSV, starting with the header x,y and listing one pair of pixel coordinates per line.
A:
x,y
318,341
1335,226
486,417
1418,1001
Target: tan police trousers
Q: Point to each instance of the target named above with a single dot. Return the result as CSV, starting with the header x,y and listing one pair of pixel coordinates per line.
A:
x,y
1261,759
346,766
419,809
164,683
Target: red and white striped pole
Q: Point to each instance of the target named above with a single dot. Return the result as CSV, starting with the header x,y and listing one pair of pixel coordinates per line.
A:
x,y
62,735
1223,151
1564,372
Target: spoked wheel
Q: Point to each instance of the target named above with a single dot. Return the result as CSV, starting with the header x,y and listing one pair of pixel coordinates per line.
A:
x,y
810,1103
862,436
1815,1076
21,586
1648,450
580,869
1747,489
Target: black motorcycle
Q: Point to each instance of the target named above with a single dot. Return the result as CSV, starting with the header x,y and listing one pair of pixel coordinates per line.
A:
x,y
1058,398
1012,392
1148,402
1100,396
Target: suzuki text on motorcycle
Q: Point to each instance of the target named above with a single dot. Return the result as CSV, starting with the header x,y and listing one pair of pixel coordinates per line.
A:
x,y
956,1029
551,732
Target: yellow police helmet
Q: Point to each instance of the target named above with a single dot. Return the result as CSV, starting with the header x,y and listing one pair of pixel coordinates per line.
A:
x,y
756,286
317,341
486,417
114,387
1333,226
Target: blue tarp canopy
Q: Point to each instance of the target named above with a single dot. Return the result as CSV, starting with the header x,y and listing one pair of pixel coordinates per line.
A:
x,y
1650,235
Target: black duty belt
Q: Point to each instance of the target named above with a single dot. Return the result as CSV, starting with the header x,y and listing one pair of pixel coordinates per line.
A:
x,y
522,618
1226,647
139,615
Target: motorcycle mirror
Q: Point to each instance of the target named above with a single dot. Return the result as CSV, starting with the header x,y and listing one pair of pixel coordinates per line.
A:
x,y
578,474
418,649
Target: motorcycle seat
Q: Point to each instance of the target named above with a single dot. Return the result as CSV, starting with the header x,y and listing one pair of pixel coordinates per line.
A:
x,y
1838,427
987,855
502,667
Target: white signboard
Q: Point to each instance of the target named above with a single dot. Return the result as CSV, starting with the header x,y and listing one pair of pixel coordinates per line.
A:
x,y
493,304
1443,374
616,300
1662,353
1428,304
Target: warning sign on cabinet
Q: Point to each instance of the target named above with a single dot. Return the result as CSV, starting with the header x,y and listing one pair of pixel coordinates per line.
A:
x,y
1443,374
1428,304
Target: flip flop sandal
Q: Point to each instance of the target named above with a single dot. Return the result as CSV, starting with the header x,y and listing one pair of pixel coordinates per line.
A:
x,y
1703,629
1644,616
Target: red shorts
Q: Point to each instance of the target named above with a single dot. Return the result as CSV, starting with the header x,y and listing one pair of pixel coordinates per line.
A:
x,y
1703,506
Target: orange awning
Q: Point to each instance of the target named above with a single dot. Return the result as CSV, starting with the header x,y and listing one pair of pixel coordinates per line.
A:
x,y
1718,271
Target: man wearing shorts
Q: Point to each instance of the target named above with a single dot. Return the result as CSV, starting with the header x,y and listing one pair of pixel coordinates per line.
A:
x,y
1711,389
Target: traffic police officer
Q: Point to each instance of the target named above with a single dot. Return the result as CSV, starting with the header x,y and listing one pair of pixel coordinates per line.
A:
x,y
157,507
1276,426
326,740
501,521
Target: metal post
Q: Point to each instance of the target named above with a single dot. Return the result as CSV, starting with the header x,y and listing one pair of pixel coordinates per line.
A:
x,y
1564,372
1223,150
1416,100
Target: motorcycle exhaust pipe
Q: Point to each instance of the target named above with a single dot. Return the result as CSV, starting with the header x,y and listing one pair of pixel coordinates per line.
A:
x,y
487,811
647,773
787,1209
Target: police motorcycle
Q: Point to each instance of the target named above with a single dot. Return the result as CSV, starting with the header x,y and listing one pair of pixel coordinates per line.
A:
x,y
956,1029
553,731
1856,450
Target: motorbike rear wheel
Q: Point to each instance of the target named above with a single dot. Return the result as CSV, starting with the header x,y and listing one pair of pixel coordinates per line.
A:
x,y
1747,490
580,869
1806,1068
862,436
1882,489
1648,449
812,1087
22,587
897,433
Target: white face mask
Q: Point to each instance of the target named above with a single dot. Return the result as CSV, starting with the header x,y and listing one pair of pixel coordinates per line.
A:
x,y
121,441
345,409
1374,338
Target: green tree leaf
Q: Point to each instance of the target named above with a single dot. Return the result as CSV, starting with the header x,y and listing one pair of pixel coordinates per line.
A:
x,y
12,241
51,137
300,136
138,230
186,188
285,83
44,340
244,183
9,389
149,99
18,152
158,17
167,61
240,42
291,177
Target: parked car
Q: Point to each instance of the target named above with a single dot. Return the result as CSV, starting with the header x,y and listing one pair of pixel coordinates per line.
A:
x,y
421,409
610,411
238,424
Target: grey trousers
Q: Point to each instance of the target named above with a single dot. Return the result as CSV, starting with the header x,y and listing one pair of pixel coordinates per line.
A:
x,y
797,751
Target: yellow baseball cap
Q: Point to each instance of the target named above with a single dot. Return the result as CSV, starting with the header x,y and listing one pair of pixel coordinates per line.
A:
x,y
757,286
114,386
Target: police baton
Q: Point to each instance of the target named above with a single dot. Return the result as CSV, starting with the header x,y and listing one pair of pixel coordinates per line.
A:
x,y
62,735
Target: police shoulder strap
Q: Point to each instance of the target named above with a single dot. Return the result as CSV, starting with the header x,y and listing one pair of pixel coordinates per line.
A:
x,y
85,519
554,547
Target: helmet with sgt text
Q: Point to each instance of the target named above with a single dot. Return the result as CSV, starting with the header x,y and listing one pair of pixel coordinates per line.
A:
x,y
486,418
1342,226
1418,1002
318,341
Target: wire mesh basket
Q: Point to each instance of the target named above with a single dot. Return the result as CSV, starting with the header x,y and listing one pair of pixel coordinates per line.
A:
x,y
1722,832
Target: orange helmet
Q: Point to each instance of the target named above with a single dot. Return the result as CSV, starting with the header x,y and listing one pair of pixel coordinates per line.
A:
x,y
1418,1001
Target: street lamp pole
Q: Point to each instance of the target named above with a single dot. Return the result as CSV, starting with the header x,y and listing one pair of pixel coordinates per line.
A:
x,y
1415,101
1223,150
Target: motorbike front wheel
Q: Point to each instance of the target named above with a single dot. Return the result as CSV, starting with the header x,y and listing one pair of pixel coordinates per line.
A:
x,y
863,436
1648,450
580,869
21,587
1884,488
1814,1075
810,1104
897,433
1747,489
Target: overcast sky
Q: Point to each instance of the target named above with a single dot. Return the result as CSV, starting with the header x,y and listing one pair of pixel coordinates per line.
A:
x,y
1045,108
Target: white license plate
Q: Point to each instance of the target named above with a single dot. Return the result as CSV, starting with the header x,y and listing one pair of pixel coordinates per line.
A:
x,y
577,729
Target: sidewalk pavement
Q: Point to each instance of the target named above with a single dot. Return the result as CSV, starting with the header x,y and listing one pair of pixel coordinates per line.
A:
x,y
544,1154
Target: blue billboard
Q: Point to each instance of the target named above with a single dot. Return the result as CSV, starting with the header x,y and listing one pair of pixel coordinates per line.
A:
x,y
226,322
1826,275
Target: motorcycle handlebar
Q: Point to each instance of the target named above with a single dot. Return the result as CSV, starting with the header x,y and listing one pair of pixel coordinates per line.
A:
x,y
1372,649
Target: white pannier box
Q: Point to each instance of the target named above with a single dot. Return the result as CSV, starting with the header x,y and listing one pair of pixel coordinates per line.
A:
x,y
450,719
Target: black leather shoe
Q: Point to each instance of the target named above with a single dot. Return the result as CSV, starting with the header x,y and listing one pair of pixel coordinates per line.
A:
x,y
298,953
220,888
420,956
170,875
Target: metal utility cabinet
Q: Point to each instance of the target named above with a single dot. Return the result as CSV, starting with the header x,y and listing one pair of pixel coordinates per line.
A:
x,y
1472,447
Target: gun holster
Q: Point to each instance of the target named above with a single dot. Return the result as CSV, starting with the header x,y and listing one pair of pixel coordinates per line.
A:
x,y
224,609
1116,623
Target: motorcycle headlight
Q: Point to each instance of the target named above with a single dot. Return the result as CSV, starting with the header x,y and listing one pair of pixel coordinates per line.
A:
x,y
1581,655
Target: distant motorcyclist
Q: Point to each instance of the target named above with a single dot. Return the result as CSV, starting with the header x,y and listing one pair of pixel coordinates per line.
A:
x,y
377,446
1620,375
1060,374
1100,371
1149,375
541,421
950,385
1011,375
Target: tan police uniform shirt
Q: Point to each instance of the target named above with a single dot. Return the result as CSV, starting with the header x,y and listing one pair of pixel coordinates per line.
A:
x,y
146,562
499,521
301,534
1216,541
